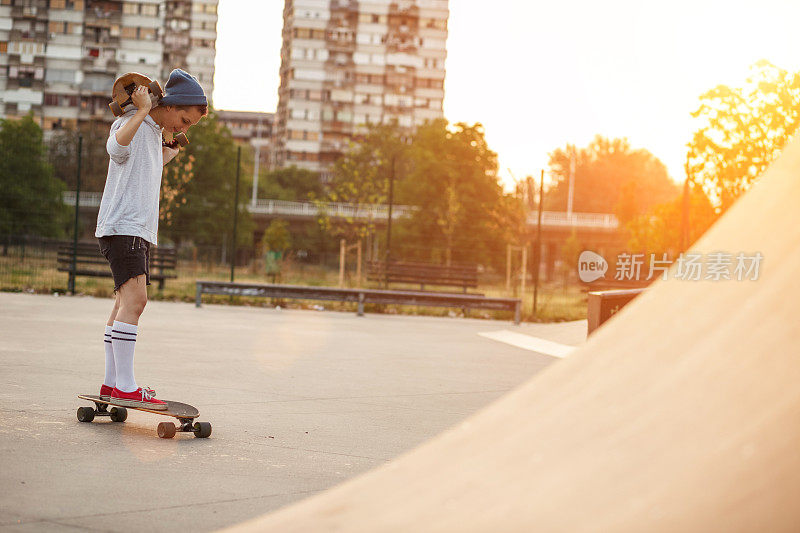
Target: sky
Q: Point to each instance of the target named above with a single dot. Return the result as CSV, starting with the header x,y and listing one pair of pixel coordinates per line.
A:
x,y
539,75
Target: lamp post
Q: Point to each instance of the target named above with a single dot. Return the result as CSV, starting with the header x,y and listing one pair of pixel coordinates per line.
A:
x,y
389,222
537,251
256,162
73,267
235,211
685,210
397,151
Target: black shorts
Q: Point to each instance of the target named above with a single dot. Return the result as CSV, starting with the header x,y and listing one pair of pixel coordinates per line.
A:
x,y
128,256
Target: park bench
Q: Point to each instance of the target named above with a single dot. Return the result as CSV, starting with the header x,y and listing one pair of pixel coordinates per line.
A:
x,y
464,276
359,296
90,262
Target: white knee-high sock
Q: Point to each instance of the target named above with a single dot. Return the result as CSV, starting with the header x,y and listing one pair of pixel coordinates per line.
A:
x,y
111,369
123,339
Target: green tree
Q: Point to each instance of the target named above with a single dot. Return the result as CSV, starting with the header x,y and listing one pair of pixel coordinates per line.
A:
x,y
743,131
276,237
291,183
361,179
274,243
197,193
30,197
570,252
609,177
659,230
62,152
462,212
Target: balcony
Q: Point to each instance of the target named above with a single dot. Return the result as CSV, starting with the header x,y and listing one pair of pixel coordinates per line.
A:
x,y
37,11
332,146
97,113
340,45
406,8
15,110
102,19
27,36
14,60
100,41
13,84
99,64
343,5
335,126
175,40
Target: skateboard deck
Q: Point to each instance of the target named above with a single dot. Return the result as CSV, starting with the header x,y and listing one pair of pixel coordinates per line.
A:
x,y
184,412
123,88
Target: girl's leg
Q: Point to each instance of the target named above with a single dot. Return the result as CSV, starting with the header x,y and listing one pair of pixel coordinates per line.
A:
x,y
110,379
132,299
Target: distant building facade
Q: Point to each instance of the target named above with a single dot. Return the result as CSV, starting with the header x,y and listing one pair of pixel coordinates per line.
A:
x,y
59,58
345,64
250,127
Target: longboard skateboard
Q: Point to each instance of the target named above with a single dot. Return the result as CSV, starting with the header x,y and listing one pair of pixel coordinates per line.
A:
x,y
123,88
185,414
121,93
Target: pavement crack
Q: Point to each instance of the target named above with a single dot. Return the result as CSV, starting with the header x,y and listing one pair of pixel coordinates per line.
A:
x,y
161,508
298,449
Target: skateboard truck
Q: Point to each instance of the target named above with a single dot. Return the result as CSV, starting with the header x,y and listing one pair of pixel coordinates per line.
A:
x,y
178,140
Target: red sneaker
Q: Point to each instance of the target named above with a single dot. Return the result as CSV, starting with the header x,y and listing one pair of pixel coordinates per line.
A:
x,y
105,392
141,397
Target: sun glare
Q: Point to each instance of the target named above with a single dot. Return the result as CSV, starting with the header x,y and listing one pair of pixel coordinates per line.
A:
x,y
539,76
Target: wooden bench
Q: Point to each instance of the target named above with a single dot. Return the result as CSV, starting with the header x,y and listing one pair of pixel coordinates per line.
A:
x,y
90,262
359,296
464,276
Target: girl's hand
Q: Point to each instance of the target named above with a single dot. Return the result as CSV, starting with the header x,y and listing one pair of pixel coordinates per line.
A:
x,y
141,99
169,153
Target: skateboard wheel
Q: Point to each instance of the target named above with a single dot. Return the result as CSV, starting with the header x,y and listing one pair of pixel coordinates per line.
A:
x,y
118,414
85,414
116,109
202,430
155,88
182,139
166,430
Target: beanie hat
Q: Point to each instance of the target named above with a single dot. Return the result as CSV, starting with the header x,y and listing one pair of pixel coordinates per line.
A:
x,y
183,89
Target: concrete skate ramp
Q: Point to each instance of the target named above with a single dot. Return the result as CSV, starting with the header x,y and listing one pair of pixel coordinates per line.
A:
x,y
682,413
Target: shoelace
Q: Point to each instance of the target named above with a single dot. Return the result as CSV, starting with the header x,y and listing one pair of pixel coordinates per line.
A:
x,y
148,394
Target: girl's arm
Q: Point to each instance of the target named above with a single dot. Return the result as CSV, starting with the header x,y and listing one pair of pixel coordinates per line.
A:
x,y
141,99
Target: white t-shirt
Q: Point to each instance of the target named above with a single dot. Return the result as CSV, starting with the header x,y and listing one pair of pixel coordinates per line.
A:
x,y
130,197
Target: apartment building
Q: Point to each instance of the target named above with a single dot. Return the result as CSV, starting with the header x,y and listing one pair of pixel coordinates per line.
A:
x,y
346,64
59,58
250,127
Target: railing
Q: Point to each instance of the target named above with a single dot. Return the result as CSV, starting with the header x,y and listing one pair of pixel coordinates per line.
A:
x,y
337,210
283,207
88,199
581,220
553,219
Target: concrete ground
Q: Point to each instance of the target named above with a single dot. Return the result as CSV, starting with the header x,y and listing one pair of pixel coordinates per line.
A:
x,y
299,401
